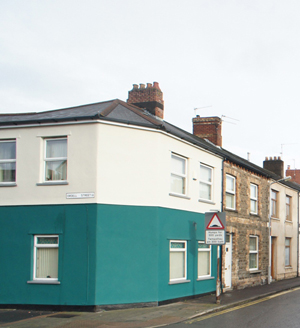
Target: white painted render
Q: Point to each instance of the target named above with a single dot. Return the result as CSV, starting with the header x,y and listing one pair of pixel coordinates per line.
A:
x,y
281,229
115,163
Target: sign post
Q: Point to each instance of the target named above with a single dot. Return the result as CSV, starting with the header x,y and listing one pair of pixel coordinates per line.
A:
x,y
215,233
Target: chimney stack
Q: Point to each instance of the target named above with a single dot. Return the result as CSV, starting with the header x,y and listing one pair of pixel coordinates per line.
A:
x,y
150,98
275,165
208,128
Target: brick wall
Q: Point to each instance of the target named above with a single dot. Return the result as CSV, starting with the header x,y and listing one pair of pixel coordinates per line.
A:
x,y
241,224
208,128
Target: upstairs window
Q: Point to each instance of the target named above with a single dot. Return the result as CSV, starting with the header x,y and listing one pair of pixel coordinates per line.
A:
x,y
230,192
288,213
178,174
7,161
206,182
56,159
253,199
274,203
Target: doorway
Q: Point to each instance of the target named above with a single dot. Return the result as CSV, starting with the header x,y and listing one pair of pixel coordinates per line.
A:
x,y
228,261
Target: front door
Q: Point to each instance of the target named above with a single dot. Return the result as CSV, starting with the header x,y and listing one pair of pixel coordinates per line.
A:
x,y
228,261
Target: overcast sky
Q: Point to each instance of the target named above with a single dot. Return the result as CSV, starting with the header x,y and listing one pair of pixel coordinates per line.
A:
x,y
240,59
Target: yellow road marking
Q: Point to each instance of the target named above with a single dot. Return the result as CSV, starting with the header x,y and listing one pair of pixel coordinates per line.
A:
x,y
242,306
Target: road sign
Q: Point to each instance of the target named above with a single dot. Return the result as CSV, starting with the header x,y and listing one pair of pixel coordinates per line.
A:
x,y
215,228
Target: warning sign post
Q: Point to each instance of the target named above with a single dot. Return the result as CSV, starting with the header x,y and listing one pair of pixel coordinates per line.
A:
x,y
215,228
215,232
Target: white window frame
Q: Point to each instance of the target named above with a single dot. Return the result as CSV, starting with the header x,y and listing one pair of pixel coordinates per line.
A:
x,y
206,250
35,247
180,175
254,199
288,207
176,250
287,247
231,193
9,161
256,251
54,159
274,203
205,182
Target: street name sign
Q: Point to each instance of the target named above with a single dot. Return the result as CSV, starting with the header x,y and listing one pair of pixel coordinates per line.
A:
x,y
215,228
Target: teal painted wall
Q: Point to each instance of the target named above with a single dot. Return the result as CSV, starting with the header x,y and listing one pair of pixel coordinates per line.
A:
x,y
133,254
76,226
108,254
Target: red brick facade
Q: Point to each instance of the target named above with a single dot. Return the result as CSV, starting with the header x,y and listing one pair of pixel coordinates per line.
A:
x,y
208,128
150,98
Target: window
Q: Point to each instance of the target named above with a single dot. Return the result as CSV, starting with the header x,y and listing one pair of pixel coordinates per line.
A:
x,y
206,176
204,262
177,260
287,251
178,174
253,256
288,214
274,203
7,161
56,159
253,198
45,257
230,192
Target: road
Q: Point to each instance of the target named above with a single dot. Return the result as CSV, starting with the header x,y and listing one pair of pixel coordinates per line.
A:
x,y
277,311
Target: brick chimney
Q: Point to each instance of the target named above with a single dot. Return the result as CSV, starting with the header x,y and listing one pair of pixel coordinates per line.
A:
x,y
275,165
150,98
294,173
208,128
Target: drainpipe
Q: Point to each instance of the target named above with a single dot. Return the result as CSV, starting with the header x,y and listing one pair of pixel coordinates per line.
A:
x,y
270,216
298,235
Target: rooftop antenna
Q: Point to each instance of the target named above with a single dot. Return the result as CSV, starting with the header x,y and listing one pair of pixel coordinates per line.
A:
x,y
230,119
195,109
281,153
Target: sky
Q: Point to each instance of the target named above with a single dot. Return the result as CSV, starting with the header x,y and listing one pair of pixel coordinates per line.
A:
x,y
235,59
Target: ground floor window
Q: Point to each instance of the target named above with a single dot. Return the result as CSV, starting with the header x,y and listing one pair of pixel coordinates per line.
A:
x,y
287,251
45,257
178,260
253,253
204,260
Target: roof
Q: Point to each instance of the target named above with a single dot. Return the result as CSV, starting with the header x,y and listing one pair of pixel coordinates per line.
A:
x,y
119,111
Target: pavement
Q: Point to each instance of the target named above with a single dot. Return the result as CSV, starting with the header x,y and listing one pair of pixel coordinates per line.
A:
x,y
142,317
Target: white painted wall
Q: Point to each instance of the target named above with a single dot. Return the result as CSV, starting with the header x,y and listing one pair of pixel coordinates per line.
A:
x,y
281,229
120,164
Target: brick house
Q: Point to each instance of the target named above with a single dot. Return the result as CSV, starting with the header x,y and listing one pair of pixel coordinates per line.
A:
x,y
246,256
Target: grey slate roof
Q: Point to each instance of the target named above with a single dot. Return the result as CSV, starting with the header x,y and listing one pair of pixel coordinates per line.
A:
x,y
119,111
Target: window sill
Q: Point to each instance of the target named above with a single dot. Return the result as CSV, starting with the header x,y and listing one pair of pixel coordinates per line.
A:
x,y
254,214
231,210
179,195
45,282
205,278
52,183
289,221
175,282
275,219
254,271
8,184
288,267
206,201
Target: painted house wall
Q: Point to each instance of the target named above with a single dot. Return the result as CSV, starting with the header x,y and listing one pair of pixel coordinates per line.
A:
x,y
121,165
281,228
114,248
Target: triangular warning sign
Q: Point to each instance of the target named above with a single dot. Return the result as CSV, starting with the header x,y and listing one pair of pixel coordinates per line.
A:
x,y
215,223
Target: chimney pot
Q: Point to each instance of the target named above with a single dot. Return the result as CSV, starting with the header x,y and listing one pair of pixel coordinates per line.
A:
x,y
150,98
